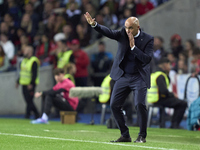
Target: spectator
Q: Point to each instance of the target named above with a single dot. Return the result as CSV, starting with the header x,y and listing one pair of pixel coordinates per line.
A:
x,y
82,62
101,63
109,18
13,10
10,25
159,93
29,9
28,25
129,4
58,96
60,22
37,7
126,15
8,46
196,61
159,51
43,51
182,67
69,33
84,37
4,62
89,7
143,7
173,61
73,14
29,79
48,10
176,44
189,48
4,28
48,27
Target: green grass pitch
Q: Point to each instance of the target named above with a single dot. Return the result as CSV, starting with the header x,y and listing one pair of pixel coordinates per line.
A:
x,y
19,134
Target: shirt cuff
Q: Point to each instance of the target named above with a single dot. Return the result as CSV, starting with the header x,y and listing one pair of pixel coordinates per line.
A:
x,y
94,25
133,47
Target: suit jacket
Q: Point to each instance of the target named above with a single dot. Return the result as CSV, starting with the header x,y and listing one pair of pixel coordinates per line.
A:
x,y
143,51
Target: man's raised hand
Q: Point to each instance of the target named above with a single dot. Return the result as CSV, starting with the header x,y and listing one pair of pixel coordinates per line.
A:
x,y
89,19
131,40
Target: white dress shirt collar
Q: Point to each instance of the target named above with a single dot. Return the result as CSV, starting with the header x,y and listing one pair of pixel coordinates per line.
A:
x,y
137,34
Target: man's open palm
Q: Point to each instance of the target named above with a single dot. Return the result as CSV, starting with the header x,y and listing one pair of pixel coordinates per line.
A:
x,y
89,19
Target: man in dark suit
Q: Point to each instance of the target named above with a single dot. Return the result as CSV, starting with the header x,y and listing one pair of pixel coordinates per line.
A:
x,y
130,70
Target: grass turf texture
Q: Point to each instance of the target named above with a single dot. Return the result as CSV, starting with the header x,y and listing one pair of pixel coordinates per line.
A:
x,y
19,134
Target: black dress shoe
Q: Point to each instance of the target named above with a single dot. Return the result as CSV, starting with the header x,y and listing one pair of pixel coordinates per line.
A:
x,y
140,139
122,139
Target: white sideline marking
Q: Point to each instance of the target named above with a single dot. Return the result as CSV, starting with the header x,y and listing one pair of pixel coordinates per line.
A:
x,y
84,141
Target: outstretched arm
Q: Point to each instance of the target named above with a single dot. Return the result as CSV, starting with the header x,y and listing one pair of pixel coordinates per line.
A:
x,y
113,34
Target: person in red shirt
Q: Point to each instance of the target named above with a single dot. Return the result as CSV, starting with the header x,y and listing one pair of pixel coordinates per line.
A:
x,y
58,96
81,62
143,7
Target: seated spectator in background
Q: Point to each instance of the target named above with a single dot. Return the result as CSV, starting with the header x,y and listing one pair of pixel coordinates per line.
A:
x,y
159,93
182,67
60,22
196,62
101,63
157,2
48,11
14,10
73,14
189,48
176,46
48,27
4,28
4,61
23,43
8,46
28,8
69,33
70,70
28,25
81,62
159,51
110,19
86,26
37,7
125,16
173,61
58,96
143,7
129,4
90,8
84,37
43,50
10,24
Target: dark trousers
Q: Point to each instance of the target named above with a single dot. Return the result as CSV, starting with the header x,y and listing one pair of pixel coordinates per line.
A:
x,y
179,109
28,97
121,89
56,101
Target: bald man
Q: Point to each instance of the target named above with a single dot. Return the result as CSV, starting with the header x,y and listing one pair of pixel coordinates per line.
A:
x,y
130,70
29,78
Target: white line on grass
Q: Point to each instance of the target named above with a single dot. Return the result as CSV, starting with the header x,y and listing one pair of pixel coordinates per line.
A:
x,y
84,141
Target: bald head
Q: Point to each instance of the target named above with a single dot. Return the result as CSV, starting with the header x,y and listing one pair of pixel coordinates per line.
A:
x,y
28,51
132,25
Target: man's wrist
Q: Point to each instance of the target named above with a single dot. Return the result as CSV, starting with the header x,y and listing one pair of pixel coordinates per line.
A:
x,y
132,48
94,25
